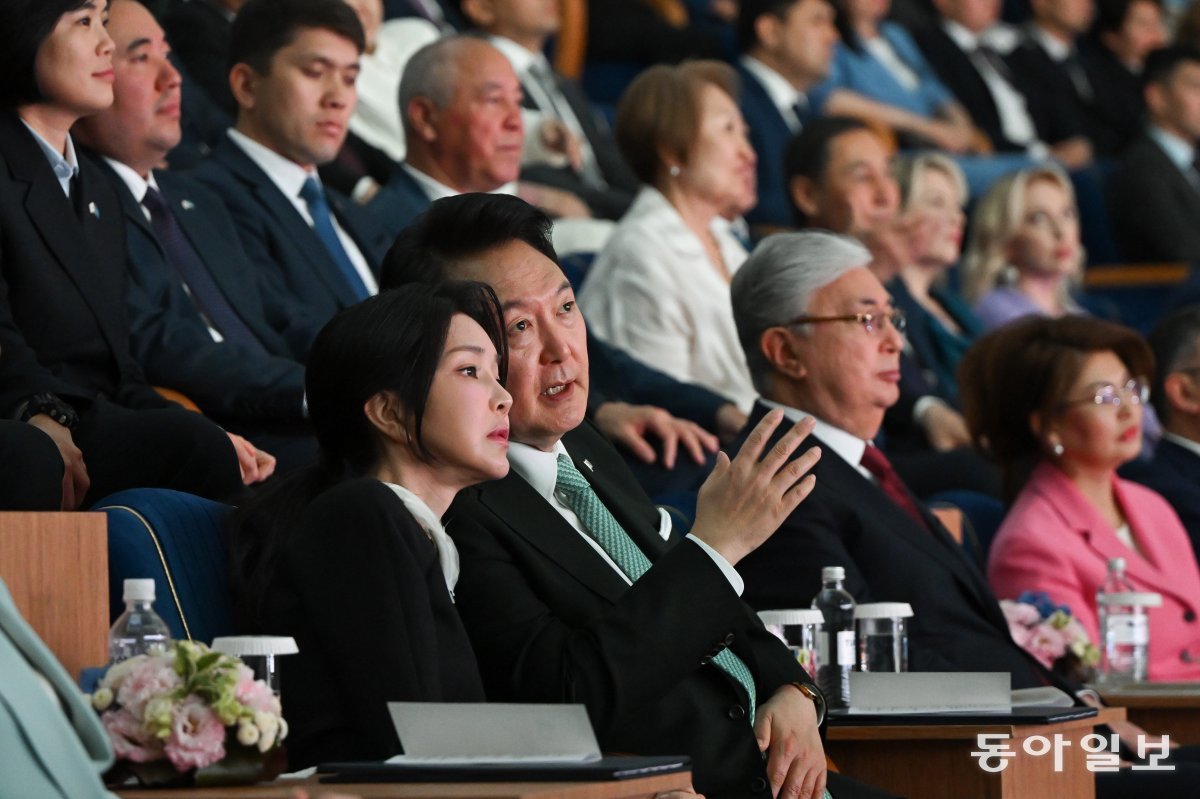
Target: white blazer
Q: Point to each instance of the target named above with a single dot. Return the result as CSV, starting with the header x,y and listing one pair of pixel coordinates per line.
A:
x,y
653,293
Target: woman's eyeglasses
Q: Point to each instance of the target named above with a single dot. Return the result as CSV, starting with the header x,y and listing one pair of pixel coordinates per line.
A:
x,y
1135,392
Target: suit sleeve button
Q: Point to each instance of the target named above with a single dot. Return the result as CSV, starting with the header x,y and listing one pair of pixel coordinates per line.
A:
x,y
758,785
737,712
729,640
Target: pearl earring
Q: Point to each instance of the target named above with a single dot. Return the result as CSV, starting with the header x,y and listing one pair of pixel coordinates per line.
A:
x,y
674,170
1058,449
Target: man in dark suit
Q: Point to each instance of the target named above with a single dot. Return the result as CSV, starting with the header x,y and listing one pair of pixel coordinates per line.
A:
x,y
203,320
1154,195
1000,105
567,145
293,77
788,47
573,587
1174,471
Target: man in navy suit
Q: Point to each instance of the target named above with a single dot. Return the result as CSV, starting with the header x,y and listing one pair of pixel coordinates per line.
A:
x,y
1174,471
294,67
788,46
203,320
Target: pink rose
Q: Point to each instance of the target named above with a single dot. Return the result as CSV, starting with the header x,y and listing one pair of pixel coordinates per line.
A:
x,y
197,736
129,740
151,678
1047,644
255,694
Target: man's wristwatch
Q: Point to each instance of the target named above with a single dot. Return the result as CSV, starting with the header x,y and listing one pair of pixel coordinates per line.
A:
x,y
815,695
50,405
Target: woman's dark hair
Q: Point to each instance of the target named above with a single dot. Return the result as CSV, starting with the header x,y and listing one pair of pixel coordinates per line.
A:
x,y
1026,368
389,343
24,27
1111,14
264,27
845,26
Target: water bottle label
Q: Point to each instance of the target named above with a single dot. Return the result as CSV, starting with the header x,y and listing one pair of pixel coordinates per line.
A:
x,y
1129,629
846,651
823,648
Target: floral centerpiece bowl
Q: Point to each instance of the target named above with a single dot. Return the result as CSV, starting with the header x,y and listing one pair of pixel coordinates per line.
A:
x,y
1052,635
189,715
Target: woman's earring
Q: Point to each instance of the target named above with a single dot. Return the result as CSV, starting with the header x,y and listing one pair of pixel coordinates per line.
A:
x,y
1057,448
674,171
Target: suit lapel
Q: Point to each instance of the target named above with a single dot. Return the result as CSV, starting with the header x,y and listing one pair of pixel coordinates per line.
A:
x,y
291,224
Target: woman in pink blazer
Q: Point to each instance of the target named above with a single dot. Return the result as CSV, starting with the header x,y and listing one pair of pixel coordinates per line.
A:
x,y
1058,402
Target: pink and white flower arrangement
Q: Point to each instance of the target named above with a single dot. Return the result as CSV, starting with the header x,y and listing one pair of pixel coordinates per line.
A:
x,y
1050,633
186,705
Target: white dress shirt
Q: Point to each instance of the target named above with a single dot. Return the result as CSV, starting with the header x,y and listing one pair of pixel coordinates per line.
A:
x,y
540,470
289,177
653,292
64,164
783,94
436,190
846,446
1182,154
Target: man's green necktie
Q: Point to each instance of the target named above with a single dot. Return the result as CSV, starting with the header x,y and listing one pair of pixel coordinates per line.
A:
x,y
599,523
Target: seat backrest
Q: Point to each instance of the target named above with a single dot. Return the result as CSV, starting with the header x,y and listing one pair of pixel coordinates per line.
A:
x,y
177,539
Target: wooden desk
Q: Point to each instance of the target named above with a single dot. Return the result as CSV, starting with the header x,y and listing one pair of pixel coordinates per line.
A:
x,y
1162,709
935,762
642,788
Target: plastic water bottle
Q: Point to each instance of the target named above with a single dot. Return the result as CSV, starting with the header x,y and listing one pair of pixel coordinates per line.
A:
x,y
835,644
1124,627
139,630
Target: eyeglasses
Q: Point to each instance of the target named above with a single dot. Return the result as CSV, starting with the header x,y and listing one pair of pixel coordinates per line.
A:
x,y
873,323
1135,392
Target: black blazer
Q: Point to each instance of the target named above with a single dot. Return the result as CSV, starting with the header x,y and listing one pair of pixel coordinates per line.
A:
x,y
1118,106
848,521
169,336
1154,207
63,326
1058,112
199,34
956,69
770,136
398,202
1173,472
278,240
552,622
360,588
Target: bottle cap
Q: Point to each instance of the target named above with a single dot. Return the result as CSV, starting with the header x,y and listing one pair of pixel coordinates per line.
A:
x,y
1116,564
883,610
833,573
1141,599
792,616
139,590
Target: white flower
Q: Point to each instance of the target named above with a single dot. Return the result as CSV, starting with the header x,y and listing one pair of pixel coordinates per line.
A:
x,y
247,734
283,728
268,724
102,699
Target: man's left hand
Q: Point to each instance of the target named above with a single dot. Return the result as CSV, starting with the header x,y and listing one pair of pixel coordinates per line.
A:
x,y
254,464
631,425
786,728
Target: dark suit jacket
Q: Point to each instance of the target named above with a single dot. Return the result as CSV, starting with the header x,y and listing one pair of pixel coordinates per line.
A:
x,y
170,337
63,326
769,135
1058,112
611,202
956,69
1119,105
199,34
398,202
848,521
278,240
360,588
1174,472
1154,207
552,622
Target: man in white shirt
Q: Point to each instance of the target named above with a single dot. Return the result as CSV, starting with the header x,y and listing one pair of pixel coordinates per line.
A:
x,y
957,48
788,46
567,145
294,67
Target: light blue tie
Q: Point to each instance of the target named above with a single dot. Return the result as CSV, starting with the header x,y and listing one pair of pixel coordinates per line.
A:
x,y
578,495
318,209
